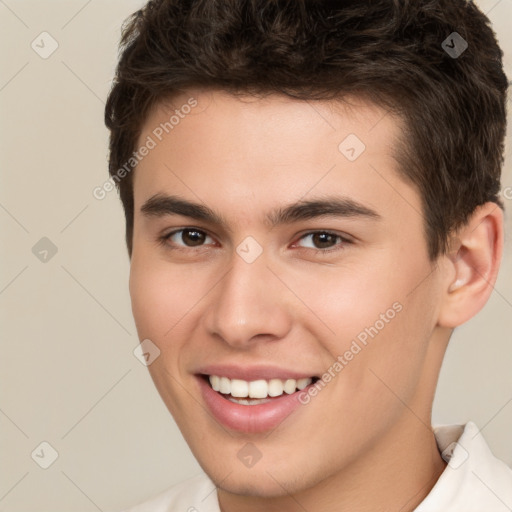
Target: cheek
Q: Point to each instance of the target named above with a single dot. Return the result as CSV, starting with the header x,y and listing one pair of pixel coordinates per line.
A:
x,y
380,322
346,299
161,294
161,299
149,300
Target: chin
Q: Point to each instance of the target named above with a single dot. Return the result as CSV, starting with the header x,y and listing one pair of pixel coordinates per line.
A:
x,y
262,483
261,487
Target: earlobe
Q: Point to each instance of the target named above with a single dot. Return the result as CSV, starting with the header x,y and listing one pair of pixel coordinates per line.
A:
x,y
472,266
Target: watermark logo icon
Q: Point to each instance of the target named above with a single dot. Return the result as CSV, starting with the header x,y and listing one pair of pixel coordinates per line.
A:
x,y
44,250
249,455
455,455
146,352
351,147
454,45
249,249
44,455
44,45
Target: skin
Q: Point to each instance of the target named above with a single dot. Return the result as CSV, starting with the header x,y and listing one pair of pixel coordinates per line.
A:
x,y
364,443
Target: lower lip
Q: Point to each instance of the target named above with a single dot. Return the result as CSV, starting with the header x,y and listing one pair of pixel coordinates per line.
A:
x,y
249,418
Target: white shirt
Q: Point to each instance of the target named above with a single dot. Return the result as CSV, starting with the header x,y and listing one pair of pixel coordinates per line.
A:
x,y
473,481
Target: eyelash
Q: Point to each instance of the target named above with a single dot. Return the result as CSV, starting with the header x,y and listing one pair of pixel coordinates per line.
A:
x,y
164,241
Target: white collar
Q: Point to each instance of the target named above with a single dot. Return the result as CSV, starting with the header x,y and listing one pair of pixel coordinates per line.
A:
x,y
474,479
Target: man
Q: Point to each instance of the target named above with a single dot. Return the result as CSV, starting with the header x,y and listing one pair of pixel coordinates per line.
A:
x,y
311,191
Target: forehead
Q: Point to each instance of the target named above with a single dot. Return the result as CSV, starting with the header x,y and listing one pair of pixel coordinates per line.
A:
x,y
252,151
274,118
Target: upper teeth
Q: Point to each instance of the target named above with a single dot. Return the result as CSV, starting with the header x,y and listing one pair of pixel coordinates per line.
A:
x,y
257,388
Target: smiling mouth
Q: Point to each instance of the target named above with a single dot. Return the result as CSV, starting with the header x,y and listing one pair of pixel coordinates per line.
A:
x,y
256,392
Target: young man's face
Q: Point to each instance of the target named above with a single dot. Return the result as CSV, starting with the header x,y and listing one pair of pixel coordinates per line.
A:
x,y
240,296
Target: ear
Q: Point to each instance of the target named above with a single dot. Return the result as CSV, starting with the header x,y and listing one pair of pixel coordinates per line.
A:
x,y
471,266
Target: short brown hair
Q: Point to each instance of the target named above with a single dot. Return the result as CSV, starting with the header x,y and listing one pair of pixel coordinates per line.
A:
x,y
394,53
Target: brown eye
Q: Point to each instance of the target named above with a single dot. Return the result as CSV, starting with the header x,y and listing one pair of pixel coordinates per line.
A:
x,y
187,237
192,237
322,239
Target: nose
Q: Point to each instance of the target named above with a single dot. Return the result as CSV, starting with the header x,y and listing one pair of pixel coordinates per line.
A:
x,y
248,304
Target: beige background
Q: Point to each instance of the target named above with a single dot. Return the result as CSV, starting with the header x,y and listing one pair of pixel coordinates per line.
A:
x,y
69,376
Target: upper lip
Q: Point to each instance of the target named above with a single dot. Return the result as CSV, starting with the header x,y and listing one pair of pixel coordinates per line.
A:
x,y
253,372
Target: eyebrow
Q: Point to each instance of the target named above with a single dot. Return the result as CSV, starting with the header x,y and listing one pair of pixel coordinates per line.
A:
x,y
161,205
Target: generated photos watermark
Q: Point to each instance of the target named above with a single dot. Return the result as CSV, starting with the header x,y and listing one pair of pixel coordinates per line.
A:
x,y
151,142
357,345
